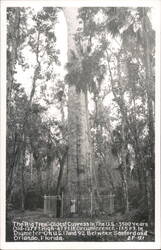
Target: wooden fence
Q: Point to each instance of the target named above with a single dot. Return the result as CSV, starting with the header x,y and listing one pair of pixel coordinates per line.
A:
x,y
55,205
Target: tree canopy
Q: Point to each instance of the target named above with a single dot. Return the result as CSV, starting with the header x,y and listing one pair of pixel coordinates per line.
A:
x,y
115,67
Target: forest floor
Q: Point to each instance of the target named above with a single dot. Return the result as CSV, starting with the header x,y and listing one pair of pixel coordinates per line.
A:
x,y
37,216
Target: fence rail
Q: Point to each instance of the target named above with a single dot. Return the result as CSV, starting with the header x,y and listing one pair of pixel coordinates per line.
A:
x,y
56,204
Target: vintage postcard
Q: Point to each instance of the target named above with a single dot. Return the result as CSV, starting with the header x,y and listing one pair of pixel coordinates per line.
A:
x,y
80,124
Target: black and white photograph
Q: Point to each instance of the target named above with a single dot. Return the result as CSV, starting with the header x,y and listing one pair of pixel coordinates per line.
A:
x,y
81,99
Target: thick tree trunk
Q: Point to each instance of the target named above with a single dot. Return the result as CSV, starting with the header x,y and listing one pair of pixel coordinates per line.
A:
x,y
79,165
79,172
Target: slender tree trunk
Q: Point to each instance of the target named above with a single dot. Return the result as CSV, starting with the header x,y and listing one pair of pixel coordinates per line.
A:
x,y
39,176
62,157
13,44
150,172
121,104
49,164
31,167
138,157
60,176
22,164
124,168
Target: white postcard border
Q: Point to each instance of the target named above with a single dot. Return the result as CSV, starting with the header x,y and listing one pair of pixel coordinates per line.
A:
x,y
77,245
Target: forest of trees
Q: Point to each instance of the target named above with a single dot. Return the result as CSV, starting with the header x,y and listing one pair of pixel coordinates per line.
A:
x,y
101,136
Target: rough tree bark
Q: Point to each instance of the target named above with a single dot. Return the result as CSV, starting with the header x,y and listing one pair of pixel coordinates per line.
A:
x,y
122,68
120,101
79,170
13,46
